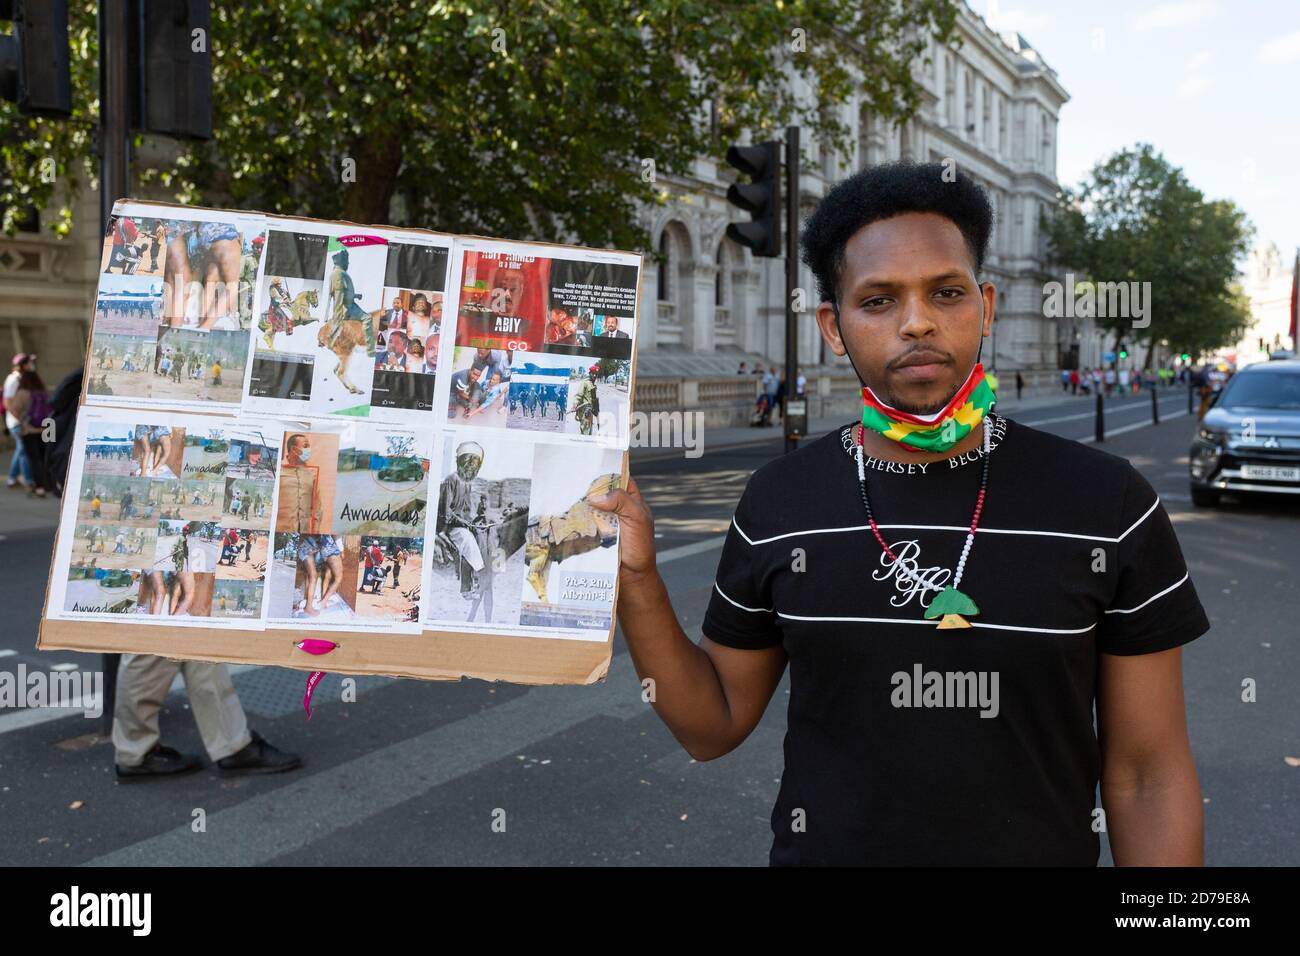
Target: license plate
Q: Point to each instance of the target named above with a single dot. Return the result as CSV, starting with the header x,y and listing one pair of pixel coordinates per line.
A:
x,y
1270,473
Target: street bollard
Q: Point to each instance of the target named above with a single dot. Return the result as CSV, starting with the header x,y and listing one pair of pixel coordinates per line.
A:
x,y
109,662
1101,419
1155,408
1189,397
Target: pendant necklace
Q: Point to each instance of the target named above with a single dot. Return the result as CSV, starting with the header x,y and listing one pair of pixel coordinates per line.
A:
x,y
950,604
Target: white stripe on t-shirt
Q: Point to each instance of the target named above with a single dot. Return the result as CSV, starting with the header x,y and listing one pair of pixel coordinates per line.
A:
x,y
1120,610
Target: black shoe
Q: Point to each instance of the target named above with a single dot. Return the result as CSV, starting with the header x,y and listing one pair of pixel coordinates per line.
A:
x,y
159,762
259,757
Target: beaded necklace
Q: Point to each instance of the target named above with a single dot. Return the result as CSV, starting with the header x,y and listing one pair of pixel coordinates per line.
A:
x,y
950,604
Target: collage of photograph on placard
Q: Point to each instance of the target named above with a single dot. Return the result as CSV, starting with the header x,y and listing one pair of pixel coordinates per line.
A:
x,y
314,497
349,533
543,342
173,308
516,547
348,323
172,517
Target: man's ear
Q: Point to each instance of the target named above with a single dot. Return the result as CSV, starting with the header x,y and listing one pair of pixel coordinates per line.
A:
x,y
989,293
829,328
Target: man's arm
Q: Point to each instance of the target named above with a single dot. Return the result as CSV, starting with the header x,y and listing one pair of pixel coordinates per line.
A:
x,y
1149,787
711,697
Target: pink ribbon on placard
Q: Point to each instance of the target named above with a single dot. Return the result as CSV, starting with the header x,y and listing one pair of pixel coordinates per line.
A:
x,y
312,681
313,646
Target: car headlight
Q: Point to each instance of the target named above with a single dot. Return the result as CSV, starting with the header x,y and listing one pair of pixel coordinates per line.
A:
x,y
1213,436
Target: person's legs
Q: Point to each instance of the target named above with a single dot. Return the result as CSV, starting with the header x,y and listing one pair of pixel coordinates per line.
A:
x,y
142,684
216,707
309,584
35,452
334,565
19,467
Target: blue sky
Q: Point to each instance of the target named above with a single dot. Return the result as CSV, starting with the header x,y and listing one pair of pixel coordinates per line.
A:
x,y
1214,85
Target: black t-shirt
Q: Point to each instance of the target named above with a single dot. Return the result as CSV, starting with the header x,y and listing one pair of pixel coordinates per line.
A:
x,y
911,745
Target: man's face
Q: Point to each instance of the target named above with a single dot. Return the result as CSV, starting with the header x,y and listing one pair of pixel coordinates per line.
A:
x,y
611,324
297,448
507,291
397,305
398,345
911,310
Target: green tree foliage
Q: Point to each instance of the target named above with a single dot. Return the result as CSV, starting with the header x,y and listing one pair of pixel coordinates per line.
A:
x,y
534,119
1138,219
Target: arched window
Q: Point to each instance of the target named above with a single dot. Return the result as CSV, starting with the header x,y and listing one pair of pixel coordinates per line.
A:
x,y
719,280
663,267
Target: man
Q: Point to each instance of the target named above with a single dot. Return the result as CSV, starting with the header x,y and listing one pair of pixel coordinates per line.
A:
x,y
395,318
459,535
143,682
612,331
908,566
300,505
586,407
20,469
343,303
393,358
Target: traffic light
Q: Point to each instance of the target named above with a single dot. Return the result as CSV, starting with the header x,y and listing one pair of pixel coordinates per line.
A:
x,y
171,61
1123,353
1186,356
34,60
761,197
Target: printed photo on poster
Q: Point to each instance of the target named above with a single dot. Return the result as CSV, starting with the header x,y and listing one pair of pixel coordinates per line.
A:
x,y
502,300
308,473
381,592
477,562
289,306
591,308
313,576
150,512
480,384
571,548
571,395
381,483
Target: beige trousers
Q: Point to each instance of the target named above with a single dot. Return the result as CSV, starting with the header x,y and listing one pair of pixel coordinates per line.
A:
x,y
142,684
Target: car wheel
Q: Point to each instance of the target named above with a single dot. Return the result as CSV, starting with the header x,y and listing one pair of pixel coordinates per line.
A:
x,y
1204,498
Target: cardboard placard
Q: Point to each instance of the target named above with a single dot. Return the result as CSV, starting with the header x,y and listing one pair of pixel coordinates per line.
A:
x,y
409,404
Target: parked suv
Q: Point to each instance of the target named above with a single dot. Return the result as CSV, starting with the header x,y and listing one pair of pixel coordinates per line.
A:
x,y
1249,440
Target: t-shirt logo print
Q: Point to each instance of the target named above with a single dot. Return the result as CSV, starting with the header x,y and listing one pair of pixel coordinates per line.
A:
x,y
912,580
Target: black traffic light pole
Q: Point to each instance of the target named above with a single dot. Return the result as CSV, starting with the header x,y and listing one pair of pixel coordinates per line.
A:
x,y
794,413
114,183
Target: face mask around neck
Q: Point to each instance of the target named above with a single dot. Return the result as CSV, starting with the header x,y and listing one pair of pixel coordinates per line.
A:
x,y
940,431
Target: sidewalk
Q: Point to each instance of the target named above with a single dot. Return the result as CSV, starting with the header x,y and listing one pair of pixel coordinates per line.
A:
x,y
713,439
19,512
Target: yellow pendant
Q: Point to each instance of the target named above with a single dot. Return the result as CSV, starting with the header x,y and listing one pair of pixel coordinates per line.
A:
x,y
953,620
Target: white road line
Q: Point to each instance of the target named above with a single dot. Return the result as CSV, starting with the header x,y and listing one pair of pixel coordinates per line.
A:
x,y
7,653
1130,428
357,790
64,667
1088,414
686,550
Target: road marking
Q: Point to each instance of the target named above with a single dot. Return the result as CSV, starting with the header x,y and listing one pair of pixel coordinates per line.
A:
x,y
7,653
64,667
1089,414
366,786
686,550
1128,428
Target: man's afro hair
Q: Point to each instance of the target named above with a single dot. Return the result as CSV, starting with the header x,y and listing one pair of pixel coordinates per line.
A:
x,y
881,192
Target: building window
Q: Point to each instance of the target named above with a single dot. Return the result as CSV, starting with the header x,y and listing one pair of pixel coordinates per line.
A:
x,y
720,280
950,90
662,269
969,115
986,118
1002,126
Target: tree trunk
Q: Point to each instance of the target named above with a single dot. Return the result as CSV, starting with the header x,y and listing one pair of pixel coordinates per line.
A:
x,y
378,160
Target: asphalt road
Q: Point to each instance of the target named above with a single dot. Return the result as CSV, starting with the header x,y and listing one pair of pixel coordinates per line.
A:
x,y
416,773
